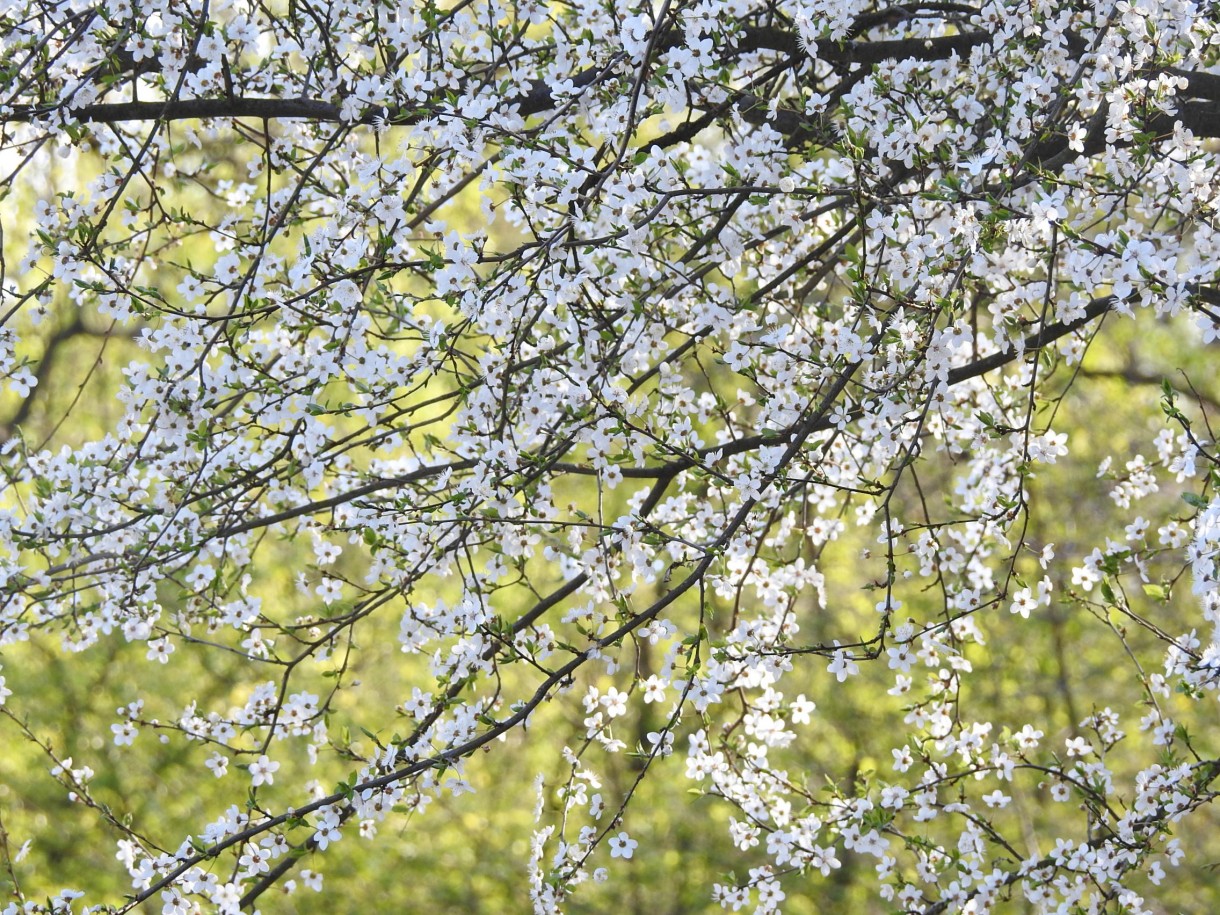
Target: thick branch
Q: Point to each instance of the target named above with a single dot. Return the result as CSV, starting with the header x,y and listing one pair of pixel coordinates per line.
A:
x,y
865,52
539,98
1047,335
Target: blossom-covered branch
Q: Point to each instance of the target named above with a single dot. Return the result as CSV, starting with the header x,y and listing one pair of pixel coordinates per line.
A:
x,y
400,397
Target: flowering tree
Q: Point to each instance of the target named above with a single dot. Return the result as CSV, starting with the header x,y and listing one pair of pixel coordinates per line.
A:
x,y
704,363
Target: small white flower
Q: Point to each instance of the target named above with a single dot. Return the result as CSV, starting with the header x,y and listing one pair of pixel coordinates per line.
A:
x,y
124,733
622,846
262,771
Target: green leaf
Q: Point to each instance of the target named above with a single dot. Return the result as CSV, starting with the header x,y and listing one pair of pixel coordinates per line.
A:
x,y
1193,498
1157,592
